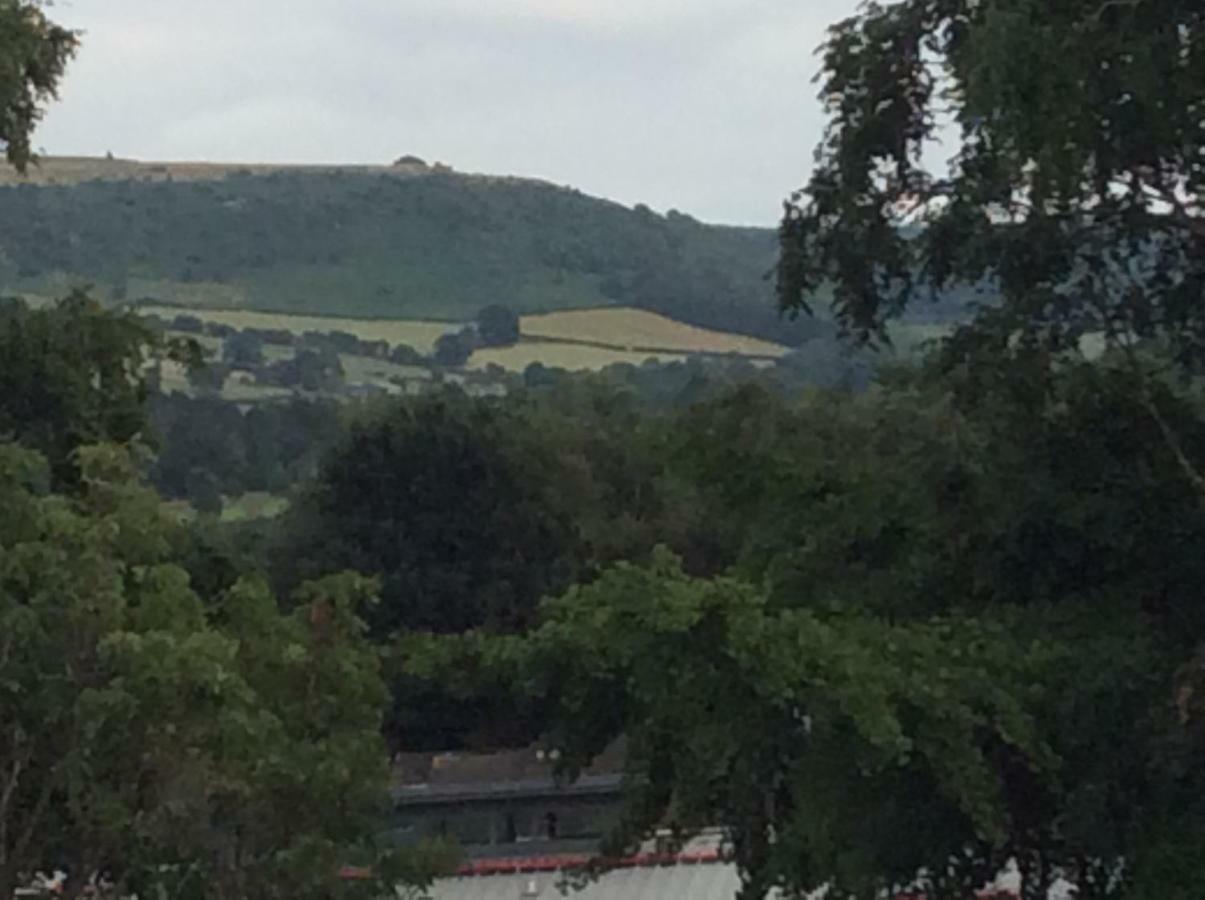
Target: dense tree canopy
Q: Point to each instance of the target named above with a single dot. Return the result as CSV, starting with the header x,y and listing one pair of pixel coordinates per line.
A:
x,y
448,505
948,632
163,741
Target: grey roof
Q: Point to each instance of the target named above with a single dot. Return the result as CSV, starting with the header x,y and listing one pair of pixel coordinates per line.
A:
x,y
700,881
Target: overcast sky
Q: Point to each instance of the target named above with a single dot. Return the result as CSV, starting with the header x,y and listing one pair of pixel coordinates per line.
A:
x,y
705,106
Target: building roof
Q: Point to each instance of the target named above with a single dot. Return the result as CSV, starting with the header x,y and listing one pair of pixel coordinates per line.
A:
x,y
700,871
697,881
691,876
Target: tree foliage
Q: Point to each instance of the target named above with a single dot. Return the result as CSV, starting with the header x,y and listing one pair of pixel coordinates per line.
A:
x,y
34,52
949,634
158,741
498,326
74,374
1075,192
454,349
447,501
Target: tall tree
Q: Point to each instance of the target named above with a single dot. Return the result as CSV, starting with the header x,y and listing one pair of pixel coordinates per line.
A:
x,y
75,374
449,501
1076,190
1075,197
34,52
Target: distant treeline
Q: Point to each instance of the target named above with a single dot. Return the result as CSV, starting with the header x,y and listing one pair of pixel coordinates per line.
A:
x,y
441,245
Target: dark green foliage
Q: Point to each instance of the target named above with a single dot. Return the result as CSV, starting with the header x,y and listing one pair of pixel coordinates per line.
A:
x,y
1076,191
193,325
990,503
405,355
70,375
497,326
470,511
207,379
243,350
981,610
218,330
217,554
344,342
149,733
449,503
270,447
312,370
34,52
453,350
204,492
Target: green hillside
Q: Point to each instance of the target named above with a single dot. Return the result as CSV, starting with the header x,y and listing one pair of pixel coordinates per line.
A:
x,y
375,243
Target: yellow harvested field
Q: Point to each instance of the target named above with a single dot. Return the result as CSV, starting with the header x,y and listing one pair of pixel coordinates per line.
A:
x,y
628,329
562,356
419,335
76,169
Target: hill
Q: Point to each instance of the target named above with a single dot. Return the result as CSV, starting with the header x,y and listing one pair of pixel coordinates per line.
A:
x,y
399,242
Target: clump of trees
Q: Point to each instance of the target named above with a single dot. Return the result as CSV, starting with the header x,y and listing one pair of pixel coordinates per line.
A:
x,y
497,326
210,443
453,350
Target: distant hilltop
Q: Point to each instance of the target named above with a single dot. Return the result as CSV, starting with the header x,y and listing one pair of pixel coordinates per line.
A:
x,y
402,241
78,169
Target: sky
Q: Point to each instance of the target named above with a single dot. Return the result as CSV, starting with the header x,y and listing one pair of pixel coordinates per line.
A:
x,y
704,106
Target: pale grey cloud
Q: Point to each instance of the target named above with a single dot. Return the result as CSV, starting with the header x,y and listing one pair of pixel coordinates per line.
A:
x,y
705,106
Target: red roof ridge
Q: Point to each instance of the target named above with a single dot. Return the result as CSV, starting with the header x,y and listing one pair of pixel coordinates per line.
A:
x,y
511,865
